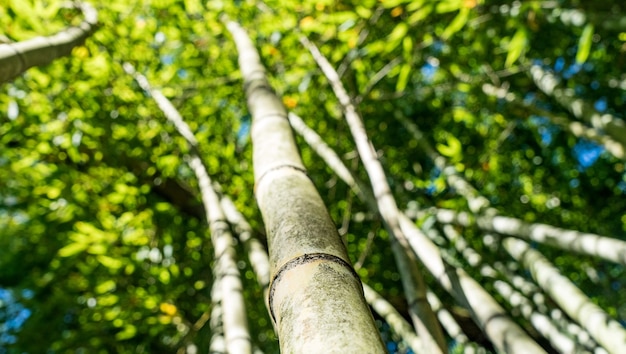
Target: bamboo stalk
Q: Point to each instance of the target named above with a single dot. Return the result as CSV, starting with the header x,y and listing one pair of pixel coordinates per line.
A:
x,y
15,58
236,335
316,298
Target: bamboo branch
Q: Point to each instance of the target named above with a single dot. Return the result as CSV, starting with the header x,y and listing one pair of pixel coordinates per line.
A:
x,y
577,129
604,329
15,58
608,248
579,108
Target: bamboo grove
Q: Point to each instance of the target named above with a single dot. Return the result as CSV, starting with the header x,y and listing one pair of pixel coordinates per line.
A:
x,y
312,177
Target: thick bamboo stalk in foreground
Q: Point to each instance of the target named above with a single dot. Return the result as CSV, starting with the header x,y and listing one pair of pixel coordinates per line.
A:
x,y
316,298
259,261
15,58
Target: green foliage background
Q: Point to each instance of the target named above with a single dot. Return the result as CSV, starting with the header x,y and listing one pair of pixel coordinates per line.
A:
x,y
100,216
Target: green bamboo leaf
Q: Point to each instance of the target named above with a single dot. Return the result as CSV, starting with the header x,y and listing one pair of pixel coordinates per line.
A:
x,y
459,21
407,48
420,14
517,45
128,332
448,6
193,7
393,3
461,114
72,249
452,149
26,12
341,17
105,286
394,39
403,77
97,66
364,12
110,262
584,44
375,47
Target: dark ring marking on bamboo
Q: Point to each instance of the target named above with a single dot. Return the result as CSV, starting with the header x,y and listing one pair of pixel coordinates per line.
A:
x,y
260,81
223,223
297,168
306,258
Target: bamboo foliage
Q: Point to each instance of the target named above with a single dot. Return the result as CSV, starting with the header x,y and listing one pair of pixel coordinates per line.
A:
x,y
15,58
582,110
575,305
233,313
576,128
315,299
422,315
487,219
476,202
506,335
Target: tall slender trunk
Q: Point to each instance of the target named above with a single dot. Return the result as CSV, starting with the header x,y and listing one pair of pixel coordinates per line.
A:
x,y
608,248
233,313
424,319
